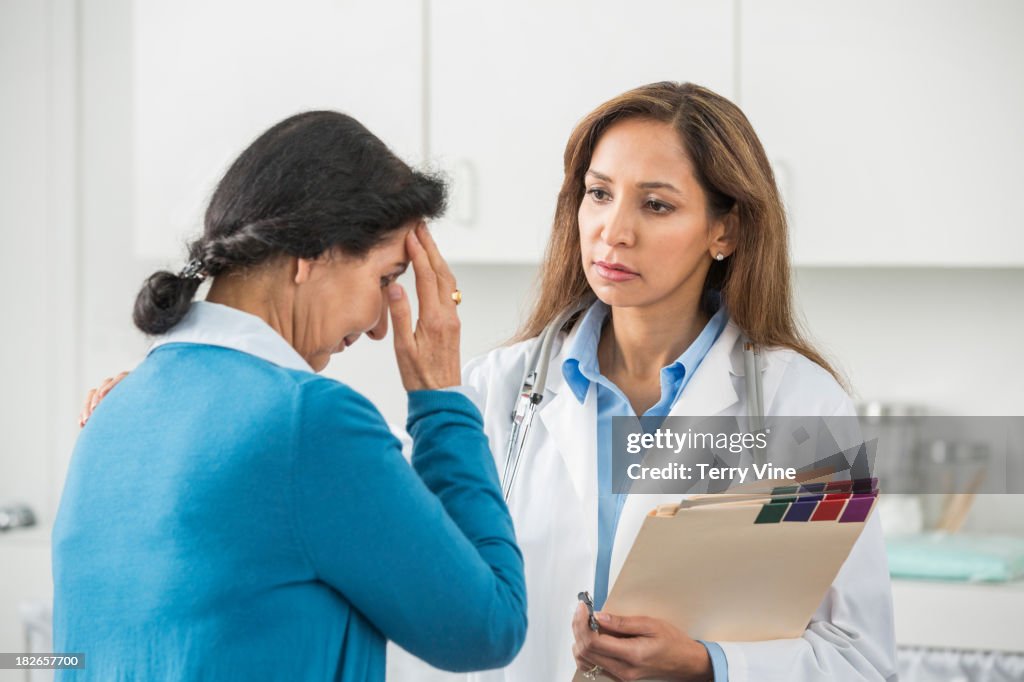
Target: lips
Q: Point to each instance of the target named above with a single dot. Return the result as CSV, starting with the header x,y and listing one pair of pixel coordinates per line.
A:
x,y
614,272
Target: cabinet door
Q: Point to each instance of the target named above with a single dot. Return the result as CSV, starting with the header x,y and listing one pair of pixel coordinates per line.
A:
x,y
509,80
895,127
211,76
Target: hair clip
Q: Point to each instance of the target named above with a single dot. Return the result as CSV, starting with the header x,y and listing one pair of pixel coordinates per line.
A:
x,y
194,270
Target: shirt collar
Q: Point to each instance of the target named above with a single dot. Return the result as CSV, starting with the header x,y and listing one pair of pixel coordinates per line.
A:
x,y
580,367
213,324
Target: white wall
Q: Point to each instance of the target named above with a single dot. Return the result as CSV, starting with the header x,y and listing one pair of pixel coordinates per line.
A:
x,y
493,304
945,338
38,277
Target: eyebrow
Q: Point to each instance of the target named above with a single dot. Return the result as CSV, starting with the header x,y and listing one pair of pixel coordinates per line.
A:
x,y
642,185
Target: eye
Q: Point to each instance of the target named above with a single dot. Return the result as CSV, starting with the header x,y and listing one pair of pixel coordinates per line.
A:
x,y
658,206
386,281
598,194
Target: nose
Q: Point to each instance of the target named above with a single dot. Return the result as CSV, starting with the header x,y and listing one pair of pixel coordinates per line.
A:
x,y
380,330
617,228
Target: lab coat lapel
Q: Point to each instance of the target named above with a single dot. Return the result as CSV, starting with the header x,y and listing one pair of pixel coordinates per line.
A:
x,y
710,389
572,428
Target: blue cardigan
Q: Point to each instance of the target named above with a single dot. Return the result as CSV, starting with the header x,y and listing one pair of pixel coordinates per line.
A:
x,y
226,518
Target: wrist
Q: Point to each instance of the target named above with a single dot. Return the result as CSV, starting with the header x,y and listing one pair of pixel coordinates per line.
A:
x,y
695,665
705,669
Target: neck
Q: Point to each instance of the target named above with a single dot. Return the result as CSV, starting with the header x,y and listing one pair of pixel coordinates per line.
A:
x,y
251,294
638,341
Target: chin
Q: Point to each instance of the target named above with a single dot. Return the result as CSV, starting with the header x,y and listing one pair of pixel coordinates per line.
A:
x,y
625,295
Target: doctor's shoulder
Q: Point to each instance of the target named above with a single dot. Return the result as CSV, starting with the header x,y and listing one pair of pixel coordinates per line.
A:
x,y
494,378
802,387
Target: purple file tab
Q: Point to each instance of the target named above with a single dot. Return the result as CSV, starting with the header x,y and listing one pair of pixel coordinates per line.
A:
x,y
857,510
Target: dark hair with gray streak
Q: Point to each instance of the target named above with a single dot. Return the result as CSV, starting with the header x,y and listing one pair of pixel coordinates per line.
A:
x,y
314,182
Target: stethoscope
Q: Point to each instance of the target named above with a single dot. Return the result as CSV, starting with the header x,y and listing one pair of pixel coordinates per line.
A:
x,y
535,376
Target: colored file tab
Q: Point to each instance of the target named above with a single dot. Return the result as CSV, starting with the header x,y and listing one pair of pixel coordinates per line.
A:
x,y
845,507
857,509
800,511
828,510
865,485
772,512
839,486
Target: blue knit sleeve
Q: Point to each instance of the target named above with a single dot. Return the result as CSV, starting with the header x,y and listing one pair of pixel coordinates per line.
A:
x,y
426,553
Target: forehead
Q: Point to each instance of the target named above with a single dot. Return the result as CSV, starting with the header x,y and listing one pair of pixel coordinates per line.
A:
x,y
642,150
391,249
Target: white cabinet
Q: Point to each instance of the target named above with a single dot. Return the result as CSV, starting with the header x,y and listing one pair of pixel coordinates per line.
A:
x,y
509,80
211,76
506,83
895,127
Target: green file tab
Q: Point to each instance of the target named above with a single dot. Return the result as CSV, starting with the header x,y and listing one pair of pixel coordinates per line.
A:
x,y
772,512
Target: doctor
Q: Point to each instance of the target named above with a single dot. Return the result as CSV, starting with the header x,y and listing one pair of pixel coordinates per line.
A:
x,y
670,215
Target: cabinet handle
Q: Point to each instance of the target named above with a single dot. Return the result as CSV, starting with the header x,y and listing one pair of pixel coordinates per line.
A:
x,y
16,516
464,193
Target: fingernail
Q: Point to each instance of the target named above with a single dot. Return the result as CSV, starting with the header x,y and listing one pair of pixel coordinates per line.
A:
x,y
395,292
602,618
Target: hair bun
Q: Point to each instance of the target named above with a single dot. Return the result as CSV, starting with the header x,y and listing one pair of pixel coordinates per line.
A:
x,y
163,301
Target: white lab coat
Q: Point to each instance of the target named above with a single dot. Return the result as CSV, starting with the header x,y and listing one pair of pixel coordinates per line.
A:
x,y
554,507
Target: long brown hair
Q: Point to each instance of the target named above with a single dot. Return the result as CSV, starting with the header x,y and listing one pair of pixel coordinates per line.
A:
x,y
733,170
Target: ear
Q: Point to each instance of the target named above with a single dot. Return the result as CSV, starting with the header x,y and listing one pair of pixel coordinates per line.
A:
x,y
724,234
303,270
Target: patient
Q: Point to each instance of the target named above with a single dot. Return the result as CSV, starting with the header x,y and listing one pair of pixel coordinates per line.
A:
x,y
230,514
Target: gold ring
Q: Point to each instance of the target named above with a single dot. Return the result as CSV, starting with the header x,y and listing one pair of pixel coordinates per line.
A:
x,y
593,672
457,296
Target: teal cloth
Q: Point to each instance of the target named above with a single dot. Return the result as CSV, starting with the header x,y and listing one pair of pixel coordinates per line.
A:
x,y
941,556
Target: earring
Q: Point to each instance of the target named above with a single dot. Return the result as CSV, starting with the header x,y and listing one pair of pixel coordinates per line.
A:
x,y
720,256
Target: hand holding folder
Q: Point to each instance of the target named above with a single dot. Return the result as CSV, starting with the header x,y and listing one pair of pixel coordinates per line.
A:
x,y
742,567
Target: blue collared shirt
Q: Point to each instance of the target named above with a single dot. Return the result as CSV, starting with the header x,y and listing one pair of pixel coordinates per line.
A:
x,y
581,369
